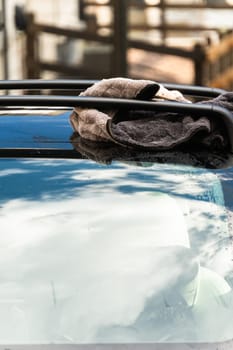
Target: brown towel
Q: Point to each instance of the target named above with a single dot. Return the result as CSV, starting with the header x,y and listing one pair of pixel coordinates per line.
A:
x,y
141,129
91,123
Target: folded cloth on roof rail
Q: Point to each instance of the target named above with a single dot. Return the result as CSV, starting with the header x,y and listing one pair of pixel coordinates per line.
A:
x,y
141,129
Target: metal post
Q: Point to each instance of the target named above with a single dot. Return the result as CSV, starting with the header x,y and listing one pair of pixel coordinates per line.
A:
x,y
163,21
199,59
119,55
81,10
32,68
5,42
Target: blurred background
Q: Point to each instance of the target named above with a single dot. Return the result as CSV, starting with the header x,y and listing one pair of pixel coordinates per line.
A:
x,y
176,41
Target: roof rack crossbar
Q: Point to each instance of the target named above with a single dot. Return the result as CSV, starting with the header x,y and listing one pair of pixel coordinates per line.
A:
x,y
104,102
79,85
101,102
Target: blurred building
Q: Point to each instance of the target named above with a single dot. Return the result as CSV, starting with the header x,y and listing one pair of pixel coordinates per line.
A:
x,y
55,12
155,24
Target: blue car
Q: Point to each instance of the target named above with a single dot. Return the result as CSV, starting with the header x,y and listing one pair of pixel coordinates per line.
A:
x,y
110,248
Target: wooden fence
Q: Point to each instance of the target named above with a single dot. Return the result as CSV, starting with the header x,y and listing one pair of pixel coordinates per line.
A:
x,y
213,63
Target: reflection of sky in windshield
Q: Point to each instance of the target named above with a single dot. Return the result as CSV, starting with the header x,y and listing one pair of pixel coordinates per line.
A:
x,y
89,251
37,130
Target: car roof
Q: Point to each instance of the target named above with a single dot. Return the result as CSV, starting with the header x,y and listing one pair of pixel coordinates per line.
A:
x,y
30,122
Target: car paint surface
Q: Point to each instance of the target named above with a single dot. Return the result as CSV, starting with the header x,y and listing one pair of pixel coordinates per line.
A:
x,y
121,253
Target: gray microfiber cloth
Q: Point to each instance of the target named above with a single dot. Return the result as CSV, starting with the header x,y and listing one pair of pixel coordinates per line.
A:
x,y
146,130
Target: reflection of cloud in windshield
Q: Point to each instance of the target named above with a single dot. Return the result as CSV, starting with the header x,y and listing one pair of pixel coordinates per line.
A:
x,y
8,172
88,261
101,254
96,242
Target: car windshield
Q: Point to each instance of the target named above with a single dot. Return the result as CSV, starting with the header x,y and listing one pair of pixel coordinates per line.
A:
x,y
130,252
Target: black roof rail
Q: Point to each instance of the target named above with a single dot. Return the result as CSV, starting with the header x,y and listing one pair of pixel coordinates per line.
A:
x,y
40,153
196,109
105,102
193,90
79,85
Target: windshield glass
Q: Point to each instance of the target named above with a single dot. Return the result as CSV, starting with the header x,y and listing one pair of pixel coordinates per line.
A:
x,y
124,253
